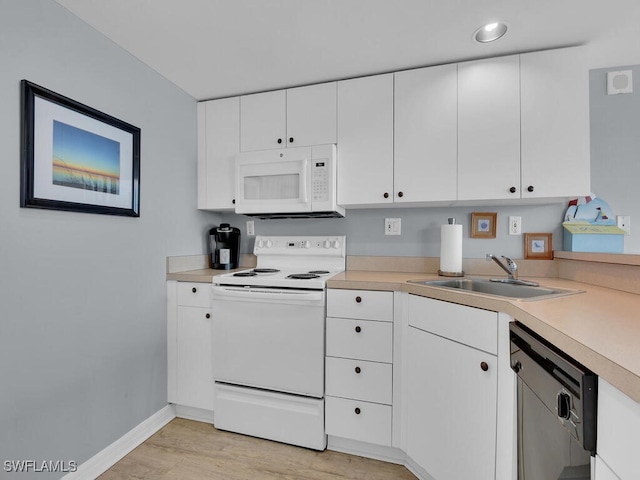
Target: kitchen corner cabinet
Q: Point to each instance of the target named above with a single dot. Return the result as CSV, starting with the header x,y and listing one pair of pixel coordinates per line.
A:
x,y
618,427
359,364
365,141
455,411
190,351
218,145
295,117
425,162
489,129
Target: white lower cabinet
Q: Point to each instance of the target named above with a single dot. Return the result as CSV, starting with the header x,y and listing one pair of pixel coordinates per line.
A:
x,y
618,426
190,352
359,366
453,400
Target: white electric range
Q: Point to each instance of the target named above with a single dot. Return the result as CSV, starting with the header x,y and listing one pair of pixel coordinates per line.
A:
x,y
269,339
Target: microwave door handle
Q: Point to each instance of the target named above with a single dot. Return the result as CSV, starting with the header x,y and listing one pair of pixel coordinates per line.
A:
x,y
306,179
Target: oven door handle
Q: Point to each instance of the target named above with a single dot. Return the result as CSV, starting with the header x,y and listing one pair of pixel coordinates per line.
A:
x,y
270,294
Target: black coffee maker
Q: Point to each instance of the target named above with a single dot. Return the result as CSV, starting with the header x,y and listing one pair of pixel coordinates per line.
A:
x,y
225,247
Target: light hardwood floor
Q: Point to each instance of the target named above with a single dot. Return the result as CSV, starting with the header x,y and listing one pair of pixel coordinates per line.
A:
x,y
189,450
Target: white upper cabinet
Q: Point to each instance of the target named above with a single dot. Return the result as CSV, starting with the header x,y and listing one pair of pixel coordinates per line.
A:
x,y
425,134
295,117
489,129
365,140
555,123
218,144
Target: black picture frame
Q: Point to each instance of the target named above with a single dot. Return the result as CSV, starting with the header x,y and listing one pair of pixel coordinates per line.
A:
x,y
76,158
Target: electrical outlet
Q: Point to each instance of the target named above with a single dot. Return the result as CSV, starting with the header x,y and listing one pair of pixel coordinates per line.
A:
x,y
251,228
624,222
392,226
515,225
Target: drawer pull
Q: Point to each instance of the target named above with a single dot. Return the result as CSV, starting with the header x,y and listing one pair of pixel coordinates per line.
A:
x,y
484,366
358,329
357,410
208,315
194,289
358,299
358,370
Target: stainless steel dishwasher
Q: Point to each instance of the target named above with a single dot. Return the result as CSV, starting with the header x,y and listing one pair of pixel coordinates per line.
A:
x,y
557,405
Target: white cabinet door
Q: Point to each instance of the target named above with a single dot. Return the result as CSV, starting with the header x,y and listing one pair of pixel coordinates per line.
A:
x,y
365,141
194,369
451,408
555,123
263,121
489,129
618,427
425,134
603,472
311,115
218,145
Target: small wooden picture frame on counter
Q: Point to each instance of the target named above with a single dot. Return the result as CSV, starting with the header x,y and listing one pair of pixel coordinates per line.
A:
x,y
538,246
483,224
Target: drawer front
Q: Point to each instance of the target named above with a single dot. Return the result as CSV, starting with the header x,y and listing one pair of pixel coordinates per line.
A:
x,y
366,304
357,420
360,339
194,294
467,325
359,380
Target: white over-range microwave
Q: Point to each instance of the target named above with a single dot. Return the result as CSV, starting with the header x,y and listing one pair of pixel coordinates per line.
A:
x,y
286,183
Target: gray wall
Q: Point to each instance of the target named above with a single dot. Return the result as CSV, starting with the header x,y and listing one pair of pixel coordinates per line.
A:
x,y
615,149
82,296
420,229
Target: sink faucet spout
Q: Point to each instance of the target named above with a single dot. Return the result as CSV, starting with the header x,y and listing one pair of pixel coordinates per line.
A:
x,y
511,267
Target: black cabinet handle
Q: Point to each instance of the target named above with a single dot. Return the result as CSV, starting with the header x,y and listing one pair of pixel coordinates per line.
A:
x,y
233,201
358,299
386,195
530,188
279,140
400,194
513,189
194,289
290,139
358,329
484,366
358,370
208,315
357,410
564,405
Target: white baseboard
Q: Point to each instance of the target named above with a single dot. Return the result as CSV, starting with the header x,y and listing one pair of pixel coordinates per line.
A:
x,y
364,449
416,469
109,456
192,413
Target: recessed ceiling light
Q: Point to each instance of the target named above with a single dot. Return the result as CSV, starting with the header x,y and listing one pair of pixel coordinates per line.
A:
x,y
490,32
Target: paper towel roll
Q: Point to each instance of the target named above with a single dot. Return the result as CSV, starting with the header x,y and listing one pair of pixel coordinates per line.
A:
x,y
451,249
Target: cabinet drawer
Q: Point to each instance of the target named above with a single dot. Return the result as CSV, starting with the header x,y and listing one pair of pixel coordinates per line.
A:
x,y
357,420
467,325
194,294
366,304
360,339
359,380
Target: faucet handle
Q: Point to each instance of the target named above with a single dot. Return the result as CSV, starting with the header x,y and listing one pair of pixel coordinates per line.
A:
x,y
513,266
489,257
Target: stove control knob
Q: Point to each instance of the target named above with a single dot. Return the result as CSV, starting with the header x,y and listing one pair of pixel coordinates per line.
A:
x,y
307,244
327,244
269,244
336,244
260,243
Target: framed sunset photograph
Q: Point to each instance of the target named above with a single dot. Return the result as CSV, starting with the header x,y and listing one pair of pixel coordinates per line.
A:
x,y
76,158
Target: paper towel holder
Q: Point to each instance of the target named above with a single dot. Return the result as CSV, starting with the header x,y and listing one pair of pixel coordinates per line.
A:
x,y
451,221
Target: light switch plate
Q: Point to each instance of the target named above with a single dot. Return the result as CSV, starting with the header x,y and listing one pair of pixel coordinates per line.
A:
x,y
392,226
251,229
624,222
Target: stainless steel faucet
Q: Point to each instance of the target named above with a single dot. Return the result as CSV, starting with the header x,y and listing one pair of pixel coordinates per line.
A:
x,y
511,268
512,272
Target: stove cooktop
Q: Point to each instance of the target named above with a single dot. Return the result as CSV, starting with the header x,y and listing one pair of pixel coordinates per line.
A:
x,y
291,262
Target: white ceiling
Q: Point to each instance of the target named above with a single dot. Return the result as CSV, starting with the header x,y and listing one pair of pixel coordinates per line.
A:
x,y
218,48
